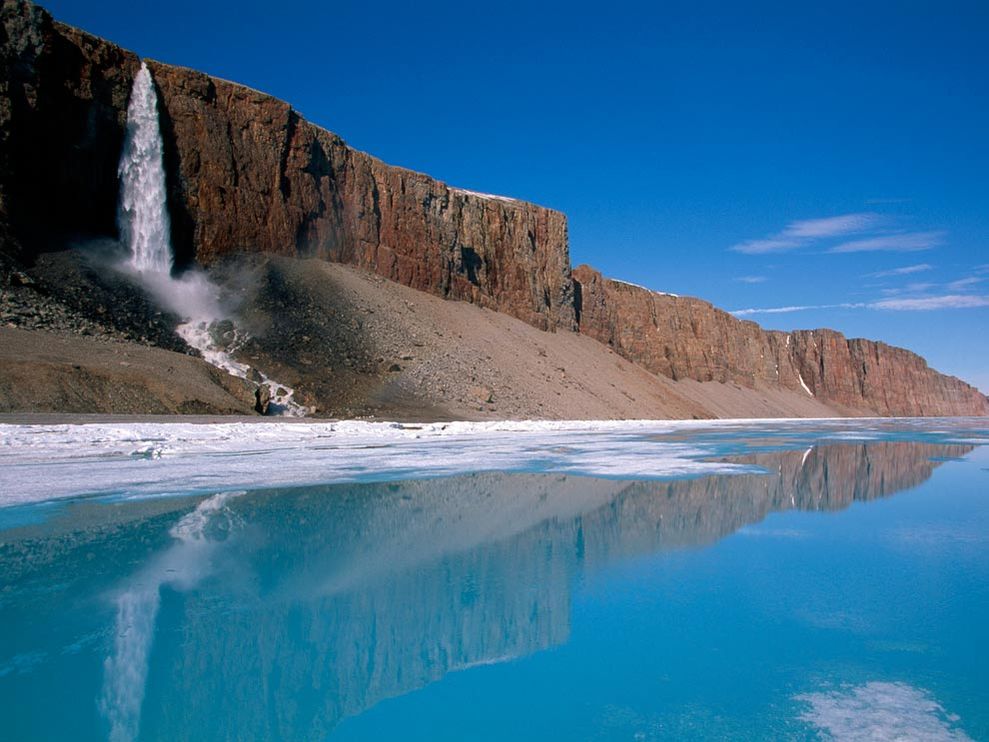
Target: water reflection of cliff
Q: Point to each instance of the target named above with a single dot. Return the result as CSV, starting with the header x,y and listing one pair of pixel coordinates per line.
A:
x,y
332,599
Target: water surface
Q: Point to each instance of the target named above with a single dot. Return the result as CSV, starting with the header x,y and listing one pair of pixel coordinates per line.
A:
x,y
830,586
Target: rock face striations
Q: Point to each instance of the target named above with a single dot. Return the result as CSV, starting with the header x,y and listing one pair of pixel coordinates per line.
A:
x,y
686,338
247,174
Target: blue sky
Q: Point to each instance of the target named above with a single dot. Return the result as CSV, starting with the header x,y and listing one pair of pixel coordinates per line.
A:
x,y
830,161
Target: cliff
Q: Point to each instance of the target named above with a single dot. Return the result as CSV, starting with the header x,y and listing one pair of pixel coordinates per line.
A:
x,y
247,174
686,338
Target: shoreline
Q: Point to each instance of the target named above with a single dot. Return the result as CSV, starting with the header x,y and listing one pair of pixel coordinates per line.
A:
x,y
96,418
49,461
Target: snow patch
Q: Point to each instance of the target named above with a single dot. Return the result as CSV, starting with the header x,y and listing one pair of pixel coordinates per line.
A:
x,y
804,384
484,195
639,286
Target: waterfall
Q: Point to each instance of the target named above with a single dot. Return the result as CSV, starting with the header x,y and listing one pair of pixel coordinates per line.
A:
x,y
142,218
142,214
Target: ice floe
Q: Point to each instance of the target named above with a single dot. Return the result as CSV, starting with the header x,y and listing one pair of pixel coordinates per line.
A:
x,y
44,462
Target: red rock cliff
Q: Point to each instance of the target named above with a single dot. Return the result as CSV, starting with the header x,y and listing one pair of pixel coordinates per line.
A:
x,y
686,338
247,173
252,175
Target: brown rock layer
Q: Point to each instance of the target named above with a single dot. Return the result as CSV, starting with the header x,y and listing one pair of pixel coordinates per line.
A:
x,y
686,338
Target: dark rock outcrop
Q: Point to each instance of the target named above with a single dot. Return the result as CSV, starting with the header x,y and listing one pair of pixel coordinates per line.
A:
x,y
77,292
63,111
686,338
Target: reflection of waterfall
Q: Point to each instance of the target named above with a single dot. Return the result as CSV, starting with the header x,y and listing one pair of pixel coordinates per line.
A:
x,y
183,565
145,229
126,670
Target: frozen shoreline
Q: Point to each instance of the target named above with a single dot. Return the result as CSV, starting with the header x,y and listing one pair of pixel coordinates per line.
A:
x,y
139,459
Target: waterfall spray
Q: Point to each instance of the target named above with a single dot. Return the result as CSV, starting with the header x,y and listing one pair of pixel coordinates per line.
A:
x,y
142,217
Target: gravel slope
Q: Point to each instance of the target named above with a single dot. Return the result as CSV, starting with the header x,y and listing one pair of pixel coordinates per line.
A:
x,y
352,344
46,372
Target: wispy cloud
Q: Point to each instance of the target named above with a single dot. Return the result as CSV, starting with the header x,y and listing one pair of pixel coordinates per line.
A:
x,y
901,242
911,304
802,232
798,308
904,271
963,284
967,284
768,245
750,279
832,226
910,288
929,303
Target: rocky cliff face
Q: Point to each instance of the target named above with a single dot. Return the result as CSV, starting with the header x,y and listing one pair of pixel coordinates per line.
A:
x,y
63,110
247,174
686,338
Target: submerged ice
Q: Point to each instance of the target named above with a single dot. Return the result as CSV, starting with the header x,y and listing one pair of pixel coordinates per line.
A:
x,y
145,229
880,711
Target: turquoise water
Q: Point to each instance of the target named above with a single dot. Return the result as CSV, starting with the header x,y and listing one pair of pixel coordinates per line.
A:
x,y
841,592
